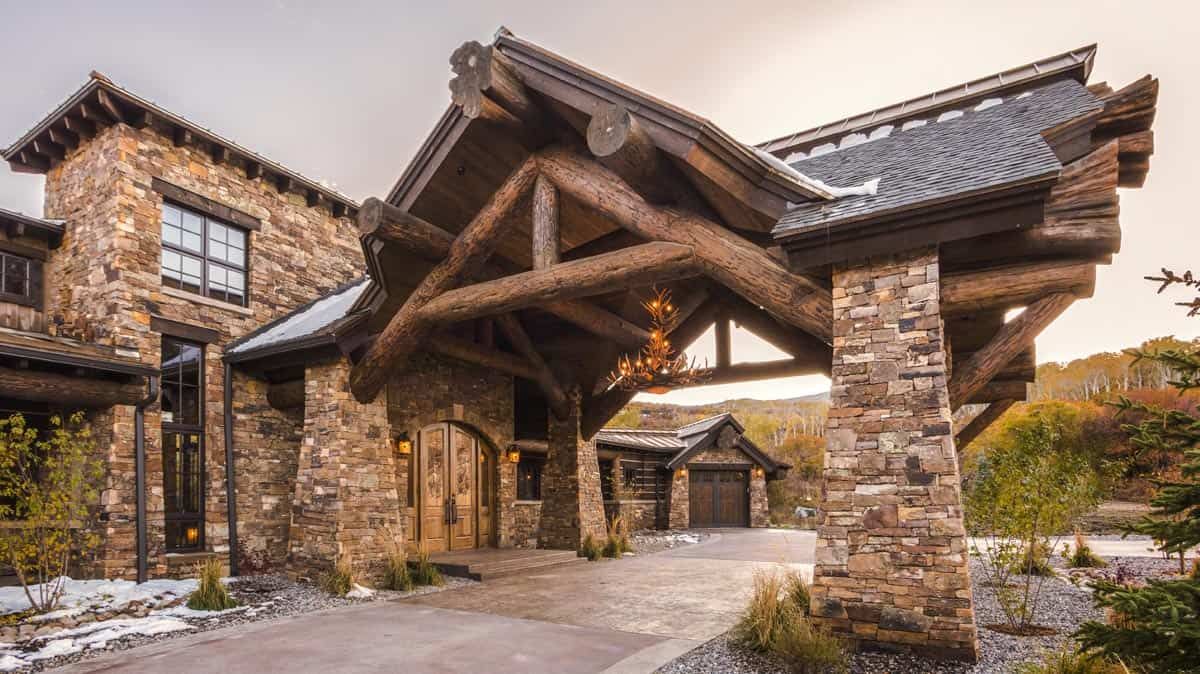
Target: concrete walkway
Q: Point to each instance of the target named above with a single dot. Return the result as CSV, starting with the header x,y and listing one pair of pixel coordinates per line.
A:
x,y
614,617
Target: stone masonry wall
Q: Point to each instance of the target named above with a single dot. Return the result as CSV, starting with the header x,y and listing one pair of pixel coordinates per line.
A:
x,y
679,515
103,284
891,560
527,516
345,501
572,505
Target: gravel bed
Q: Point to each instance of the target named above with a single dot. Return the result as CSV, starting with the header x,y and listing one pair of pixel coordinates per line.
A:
x,y
1063,606
266,597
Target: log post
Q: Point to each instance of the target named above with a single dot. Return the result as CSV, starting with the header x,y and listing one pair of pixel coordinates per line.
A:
x,y
738,264
556,396
723,345
981,422
408,328
1013,338
545,224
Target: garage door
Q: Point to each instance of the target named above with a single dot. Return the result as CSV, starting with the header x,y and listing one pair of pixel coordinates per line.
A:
x,y
719,498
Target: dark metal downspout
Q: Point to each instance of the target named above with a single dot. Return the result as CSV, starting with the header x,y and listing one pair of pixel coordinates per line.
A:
x,y
139,432
230,487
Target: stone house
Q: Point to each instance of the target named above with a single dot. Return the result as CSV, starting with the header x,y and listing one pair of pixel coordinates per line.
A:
x,y
275,385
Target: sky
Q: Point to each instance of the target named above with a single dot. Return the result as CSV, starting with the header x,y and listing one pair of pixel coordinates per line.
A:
x,y
346,91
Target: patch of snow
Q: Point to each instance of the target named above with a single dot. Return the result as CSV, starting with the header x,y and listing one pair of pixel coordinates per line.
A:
x,y
182,611
1025,94
795,156
128,627
100,594
360,592
949,114
56,615
821,149
868,188
318,315
778,164
54,649
912,124
9,663
850,140
882,132
988,103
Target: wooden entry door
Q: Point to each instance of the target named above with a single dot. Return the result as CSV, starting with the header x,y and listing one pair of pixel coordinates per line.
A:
x,y
448,482
719,498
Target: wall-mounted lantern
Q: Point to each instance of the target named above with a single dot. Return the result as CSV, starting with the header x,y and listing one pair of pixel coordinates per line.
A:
x,y
404,446
758,471
514,454
682,472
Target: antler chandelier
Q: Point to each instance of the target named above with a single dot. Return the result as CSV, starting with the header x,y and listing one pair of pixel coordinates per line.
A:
x,y
657,368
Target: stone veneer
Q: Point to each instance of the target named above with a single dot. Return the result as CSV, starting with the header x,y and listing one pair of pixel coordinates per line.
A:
x,y
103,284
891,561
345,496
679,515
572,504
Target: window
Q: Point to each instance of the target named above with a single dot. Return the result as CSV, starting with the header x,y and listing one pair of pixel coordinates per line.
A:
x,y
606,479
183,443
529,478
203,256
17,278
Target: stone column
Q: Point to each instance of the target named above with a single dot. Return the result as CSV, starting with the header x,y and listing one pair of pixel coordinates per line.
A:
x,y
678,508
760,509
345,499
572,506
891,565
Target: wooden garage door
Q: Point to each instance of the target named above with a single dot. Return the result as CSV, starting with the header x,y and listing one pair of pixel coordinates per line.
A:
x,y
719,498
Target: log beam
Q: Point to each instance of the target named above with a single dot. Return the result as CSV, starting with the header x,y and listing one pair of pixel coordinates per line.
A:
x,y
492,359
999,389
981,422
616,139
770,369
545,224
286,395
1013,337
1015,285
556,396
408,327
633,267
395,225
731,260
51,387
484,73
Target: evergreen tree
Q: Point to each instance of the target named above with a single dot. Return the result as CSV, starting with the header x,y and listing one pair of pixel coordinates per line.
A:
x,y
1156,628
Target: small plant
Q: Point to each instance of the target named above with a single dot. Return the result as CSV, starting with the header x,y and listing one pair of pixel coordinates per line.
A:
x,y
340,579
614,543
590,549
775,621
396,575
1069,661
1082,557
426,572
211,594
1034,561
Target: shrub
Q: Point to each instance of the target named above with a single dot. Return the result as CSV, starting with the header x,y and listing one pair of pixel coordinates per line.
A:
x,y
340,579
426,572
1034,560
775,622
1082,557
590,549
615,542
1069,661
396,575
211,594
50,485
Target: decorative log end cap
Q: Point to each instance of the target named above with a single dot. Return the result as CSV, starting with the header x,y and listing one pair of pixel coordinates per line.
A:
x,y
472,67
609,129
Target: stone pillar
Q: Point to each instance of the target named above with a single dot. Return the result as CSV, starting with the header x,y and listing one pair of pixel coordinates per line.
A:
x,y
345,497
572,506
891,565
678,509
760,509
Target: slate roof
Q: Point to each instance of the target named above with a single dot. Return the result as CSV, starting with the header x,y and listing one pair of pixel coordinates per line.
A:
x,y
979,150
318,318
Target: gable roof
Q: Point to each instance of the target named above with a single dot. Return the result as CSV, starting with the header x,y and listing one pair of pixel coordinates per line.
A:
x,y
686,441
51,230
100,95
314,324
996,144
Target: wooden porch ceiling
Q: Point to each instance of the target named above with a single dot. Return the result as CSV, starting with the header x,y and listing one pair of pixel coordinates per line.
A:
x,y
631,193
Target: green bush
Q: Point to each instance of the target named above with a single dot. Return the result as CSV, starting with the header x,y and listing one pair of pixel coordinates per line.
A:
x,y
211,594
590,549
1068,661
340,579
775,622
426,572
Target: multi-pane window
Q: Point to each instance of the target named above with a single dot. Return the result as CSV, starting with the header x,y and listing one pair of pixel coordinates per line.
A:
x,y
183,443
16,278
529,478
203,256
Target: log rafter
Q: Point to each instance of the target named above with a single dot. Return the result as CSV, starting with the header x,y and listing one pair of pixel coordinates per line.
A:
x,y
556,395
981,422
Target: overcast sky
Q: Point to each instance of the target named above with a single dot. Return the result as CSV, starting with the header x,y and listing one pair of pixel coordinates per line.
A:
x,y
346,91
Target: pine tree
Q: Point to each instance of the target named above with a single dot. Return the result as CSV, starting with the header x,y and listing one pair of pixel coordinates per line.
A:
x,y
1156,628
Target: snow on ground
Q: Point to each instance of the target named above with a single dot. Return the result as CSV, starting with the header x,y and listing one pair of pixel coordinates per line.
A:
x,y
90,636
82,595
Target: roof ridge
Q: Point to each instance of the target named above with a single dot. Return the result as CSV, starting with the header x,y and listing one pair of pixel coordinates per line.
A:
x,y
700,421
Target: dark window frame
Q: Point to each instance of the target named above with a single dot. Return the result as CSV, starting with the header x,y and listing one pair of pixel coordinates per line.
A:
x,y
182,428
529,478
205,256
33,269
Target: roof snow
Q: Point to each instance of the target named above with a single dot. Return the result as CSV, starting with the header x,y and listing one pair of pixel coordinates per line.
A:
x,y
866,189
306,321
949,114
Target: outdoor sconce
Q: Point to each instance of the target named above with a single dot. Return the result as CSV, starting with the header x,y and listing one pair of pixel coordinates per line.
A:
x,y
403,444
683,471
514,454
758,471
192,534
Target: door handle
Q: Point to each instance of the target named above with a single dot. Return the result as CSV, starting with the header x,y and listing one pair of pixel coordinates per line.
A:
x,y
453,510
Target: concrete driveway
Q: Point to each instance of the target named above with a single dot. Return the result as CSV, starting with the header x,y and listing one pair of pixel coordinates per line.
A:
x,y
625,616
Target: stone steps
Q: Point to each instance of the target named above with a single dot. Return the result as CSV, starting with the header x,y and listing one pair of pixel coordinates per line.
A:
x,y
484,569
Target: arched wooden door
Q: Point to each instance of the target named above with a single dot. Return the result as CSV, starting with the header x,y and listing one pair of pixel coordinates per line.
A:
x,y
450,500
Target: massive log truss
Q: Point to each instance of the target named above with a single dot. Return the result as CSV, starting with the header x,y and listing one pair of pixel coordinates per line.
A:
x,y
663,212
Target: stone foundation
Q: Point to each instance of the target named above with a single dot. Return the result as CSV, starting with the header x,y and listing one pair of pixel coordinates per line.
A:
x,y
572,505
891,563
